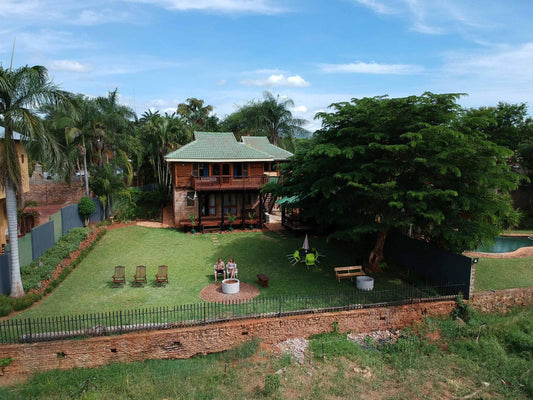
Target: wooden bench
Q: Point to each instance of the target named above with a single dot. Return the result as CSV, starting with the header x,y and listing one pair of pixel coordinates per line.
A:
x,y
263,280
348,272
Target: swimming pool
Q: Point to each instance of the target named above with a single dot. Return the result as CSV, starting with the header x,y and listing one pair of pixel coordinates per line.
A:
x,y
506,244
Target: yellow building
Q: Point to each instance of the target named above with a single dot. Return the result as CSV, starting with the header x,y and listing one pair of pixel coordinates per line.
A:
x,y
23,161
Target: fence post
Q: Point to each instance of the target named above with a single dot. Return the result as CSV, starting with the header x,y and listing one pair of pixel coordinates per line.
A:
x,y
120,320
29,329
205,318
279,314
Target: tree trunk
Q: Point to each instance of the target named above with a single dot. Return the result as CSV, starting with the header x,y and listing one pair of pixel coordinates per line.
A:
x,y
11,210
376,255
86,174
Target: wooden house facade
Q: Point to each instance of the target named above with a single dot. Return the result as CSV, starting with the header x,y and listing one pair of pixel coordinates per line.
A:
x,y
215,175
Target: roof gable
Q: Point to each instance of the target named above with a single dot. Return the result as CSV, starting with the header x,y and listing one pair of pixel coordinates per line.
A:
x,y
261,143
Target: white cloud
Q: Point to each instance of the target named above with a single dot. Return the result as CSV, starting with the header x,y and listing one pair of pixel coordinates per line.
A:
x,y
99,17
277,81
222,82
70,66
377,6
301,109
226,6
372,68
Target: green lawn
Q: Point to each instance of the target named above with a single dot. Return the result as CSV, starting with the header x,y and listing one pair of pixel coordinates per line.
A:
x,y
503,273
190,259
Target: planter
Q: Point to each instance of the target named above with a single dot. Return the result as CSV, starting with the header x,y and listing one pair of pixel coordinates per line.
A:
x,y
364,283
230,286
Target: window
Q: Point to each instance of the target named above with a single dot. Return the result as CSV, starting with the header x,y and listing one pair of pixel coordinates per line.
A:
x,y
212,205
216,169
268,167
195,170
237,170
203,169
240,170
230,203
225,169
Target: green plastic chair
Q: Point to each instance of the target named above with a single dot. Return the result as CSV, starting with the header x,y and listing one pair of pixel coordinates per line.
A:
x,y
310,260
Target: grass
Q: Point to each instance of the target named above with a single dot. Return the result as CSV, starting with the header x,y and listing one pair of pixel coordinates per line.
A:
x,y
190,260
503,273
488,357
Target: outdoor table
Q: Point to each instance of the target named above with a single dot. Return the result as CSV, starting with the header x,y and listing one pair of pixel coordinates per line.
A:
x,y
263,280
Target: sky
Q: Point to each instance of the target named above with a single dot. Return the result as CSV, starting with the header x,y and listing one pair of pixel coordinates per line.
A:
x,y
158,53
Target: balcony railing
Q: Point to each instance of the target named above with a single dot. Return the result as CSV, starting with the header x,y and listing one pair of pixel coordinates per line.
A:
x,y
225,182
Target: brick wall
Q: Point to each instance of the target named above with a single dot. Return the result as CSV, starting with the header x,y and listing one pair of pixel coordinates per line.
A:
x,y
187,342
55,193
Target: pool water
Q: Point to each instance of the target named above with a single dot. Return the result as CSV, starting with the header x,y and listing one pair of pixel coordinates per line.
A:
x,y
506,244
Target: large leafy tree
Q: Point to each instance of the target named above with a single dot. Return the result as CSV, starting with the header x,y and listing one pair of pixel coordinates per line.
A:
x,y
22,91
380,164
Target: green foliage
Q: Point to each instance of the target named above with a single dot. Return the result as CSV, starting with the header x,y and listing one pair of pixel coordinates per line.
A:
x,y
380,164
271,383
462,310
242,351
86,207
42,268
144,205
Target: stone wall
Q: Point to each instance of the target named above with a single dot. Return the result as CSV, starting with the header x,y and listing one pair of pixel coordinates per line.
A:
x,y
55,193
501,300
187,342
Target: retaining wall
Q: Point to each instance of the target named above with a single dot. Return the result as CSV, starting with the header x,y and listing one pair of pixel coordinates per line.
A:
x,y
187,342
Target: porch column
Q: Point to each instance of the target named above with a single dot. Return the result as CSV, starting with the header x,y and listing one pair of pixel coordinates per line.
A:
x,y
221,211
199,211
243,196
260,211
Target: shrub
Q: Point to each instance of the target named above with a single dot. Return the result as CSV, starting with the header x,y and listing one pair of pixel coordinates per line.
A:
x,y
85,208
462,310
271,383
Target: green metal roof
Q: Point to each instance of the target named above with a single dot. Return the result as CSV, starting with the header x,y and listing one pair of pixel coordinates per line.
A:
x,y
220,146
261,143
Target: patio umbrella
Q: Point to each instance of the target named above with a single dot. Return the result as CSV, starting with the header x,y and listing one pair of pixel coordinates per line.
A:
x,y
306,243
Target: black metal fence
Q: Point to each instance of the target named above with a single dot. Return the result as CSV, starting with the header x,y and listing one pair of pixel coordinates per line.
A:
x,y
118,322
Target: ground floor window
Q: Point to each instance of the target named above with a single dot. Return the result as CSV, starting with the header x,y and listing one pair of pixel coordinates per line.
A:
x,y
230,203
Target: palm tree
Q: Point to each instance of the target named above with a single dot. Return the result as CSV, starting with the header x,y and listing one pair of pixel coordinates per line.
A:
x,y
270,117
22,91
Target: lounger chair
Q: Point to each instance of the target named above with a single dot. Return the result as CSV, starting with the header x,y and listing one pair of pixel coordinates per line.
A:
x,y
294,258
120,275
221,272
162,274
228,273
140,275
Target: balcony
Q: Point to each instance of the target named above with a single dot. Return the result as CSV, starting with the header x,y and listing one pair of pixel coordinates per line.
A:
x,y
227,182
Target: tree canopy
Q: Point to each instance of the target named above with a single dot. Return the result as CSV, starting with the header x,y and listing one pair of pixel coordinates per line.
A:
x,y
380,164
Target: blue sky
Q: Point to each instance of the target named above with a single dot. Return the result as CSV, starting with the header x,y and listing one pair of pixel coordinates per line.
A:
x,y
158,53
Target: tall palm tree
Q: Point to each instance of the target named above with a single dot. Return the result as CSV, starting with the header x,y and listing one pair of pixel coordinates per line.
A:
x,y
22,92
270,117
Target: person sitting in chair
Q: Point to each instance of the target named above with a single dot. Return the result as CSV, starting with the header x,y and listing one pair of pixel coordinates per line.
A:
x,y
231,268
219,268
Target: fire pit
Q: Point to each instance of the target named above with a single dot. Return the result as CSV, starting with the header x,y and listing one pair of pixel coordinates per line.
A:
x,y
230,286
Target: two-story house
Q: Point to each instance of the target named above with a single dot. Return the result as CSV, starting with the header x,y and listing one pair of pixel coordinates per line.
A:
x,y
216,175
23,162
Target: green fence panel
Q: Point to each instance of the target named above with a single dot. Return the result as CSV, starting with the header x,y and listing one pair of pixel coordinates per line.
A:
x,y
25,250
58,230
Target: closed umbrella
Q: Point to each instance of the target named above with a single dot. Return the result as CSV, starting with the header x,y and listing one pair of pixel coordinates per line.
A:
x,y
306,243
